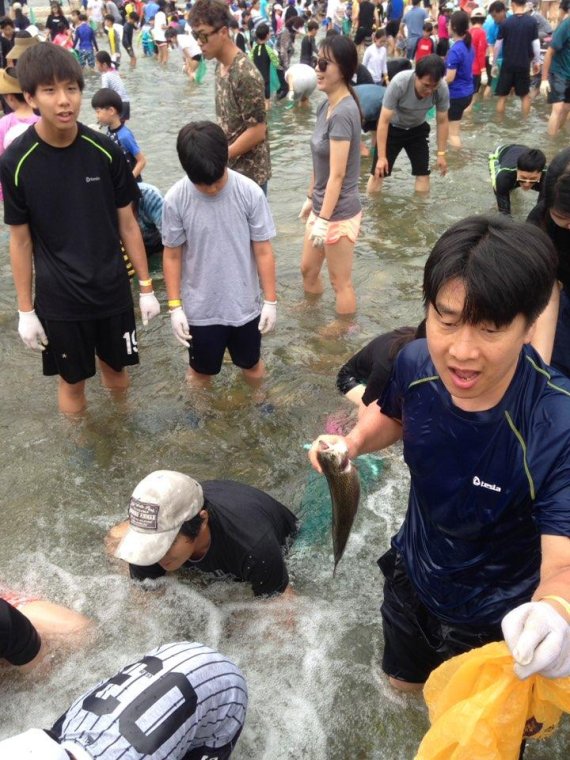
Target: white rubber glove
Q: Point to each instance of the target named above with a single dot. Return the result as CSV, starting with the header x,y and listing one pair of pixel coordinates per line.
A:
x,y
318,232
484,78
268,317
307,208
539,640
31,331
545,87
180,326
149,306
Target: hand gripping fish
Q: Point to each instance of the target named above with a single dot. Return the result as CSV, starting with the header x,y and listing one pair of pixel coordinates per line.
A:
x,y
344,487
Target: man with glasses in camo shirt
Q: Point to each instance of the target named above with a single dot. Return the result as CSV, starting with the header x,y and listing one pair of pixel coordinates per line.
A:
x,y
240,98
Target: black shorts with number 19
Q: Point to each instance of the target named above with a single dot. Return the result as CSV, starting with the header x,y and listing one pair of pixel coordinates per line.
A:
x,y
72,346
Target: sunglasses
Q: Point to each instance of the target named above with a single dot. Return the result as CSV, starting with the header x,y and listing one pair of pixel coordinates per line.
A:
x,y
203,37
322,63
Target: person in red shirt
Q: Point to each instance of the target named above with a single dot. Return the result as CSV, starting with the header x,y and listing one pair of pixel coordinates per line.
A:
x,y
426,45
479,44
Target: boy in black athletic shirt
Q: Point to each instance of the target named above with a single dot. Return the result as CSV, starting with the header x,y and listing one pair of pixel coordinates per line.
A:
x,y
68,196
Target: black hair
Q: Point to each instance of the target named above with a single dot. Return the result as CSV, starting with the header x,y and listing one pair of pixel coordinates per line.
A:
x,y
379,34
262,31
191,528
294,23
45,64
202,149
402,336
430,66
506,267
518,2
109,17
83,17
497,7
234,23
211,12
532,160
565,6
6,21
102,56
170,34
416,2
107,98
428,26
344,53
21,34
315,25
459,23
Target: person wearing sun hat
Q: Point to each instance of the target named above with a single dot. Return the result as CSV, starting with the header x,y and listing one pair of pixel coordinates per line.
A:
x,y
22,41
21,115
217,526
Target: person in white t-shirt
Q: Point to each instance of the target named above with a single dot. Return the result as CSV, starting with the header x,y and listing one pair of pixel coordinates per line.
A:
x,y
159,33
375,58
191,52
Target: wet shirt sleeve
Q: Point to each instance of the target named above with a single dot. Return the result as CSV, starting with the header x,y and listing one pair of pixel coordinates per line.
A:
x,y
265,569
19,640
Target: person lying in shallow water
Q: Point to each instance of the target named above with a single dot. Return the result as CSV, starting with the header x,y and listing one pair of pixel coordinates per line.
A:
x,y
217,526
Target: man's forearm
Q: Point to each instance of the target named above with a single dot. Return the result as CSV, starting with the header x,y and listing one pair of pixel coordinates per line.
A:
x,y
374,431
442,134
21,260
172,271
247,140
382,137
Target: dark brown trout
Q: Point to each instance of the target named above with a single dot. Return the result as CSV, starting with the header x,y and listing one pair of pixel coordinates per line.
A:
x,y
344,487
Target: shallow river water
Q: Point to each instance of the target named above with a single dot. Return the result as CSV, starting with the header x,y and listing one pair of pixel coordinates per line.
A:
x,y
316,689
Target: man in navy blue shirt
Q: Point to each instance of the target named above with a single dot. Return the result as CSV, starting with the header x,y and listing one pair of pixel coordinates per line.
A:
x,y
485,426
518,43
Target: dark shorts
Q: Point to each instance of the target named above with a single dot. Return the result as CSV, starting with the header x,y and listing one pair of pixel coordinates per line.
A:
x,y
415,641
72,346
130,51
457,106
476,83
197,58
442,47
559,89
209,343
509,78
414,141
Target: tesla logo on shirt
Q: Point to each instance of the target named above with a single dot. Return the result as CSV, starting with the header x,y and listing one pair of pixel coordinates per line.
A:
x,y
481,483
92,179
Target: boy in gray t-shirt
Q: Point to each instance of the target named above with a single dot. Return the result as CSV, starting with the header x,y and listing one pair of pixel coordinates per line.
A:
x,y
403,126
218,258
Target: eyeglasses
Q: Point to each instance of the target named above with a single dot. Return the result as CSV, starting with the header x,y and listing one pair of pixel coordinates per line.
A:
x,y
322,63
204,37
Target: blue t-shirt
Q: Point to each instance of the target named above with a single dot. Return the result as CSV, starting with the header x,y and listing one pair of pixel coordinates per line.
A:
x,y
85,38
491,30
460,58
484,486
518,33
126,141
395,10
414,21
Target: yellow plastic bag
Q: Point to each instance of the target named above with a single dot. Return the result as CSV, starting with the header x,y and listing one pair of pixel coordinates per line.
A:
x,y
480,710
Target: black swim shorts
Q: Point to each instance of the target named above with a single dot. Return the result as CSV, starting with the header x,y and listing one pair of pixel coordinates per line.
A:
x,y
415,641
209,343
457,106
509,78
414,141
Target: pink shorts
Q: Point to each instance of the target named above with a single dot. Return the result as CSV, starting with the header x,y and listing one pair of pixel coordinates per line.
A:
x,y
346,228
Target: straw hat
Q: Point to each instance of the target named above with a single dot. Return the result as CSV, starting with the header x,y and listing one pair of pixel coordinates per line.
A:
x,y
20,45
8,84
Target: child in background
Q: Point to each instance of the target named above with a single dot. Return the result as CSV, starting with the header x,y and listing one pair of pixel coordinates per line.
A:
x,y
426,45
112,79
375,58
108,106
85,42
114,33
128,31
13,124
263,55
63,37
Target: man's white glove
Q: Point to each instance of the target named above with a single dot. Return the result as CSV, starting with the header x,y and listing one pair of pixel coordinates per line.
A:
x,y
319,231
539,640
149,306
484,78
31,330
545,87
306,209
268,317
180,326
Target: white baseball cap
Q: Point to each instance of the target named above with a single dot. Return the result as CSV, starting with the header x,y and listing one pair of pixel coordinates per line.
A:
x,y
159,505
34,744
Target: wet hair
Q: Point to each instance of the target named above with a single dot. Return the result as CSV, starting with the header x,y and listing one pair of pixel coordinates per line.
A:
x,y
191,528
103,57
403,336
202,149
262,32
430,66
211,12
45,64
107,98
379,34
532,160
312,25
497,7
343,52
428,27
459,23
506,267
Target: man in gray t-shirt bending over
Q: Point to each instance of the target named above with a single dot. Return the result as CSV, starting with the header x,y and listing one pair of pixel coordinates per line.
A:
x,y
216,231
402,124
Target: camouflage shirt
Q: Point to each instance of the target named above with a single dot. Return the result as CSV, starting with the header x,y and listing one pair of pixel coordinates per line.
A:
x,y
240,104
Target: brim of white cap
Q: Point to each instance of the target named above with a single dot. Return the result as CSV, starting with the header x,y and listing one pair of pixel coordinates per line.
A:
x,y
34,744
138,548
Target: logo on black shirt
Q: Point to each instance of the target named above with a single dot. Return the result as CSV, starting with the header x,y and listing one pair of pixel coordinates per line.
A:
x,y
482,484
92,179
